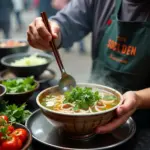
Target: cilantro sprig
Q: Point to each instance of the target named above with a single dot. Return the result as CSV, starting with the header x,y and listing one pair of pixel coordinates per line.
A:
x,y
15,113
83,98
19,85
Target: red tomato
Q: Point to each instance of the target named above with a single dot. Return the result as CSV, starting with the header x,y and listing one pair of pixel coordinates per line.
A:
x,y
20,133
1,135
6,130
4,117
10,129
13,143
19,143
0,148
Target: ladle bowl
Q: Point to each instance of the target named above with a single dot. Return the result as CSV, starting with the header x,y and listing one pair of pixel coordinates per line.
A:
x,y
66,82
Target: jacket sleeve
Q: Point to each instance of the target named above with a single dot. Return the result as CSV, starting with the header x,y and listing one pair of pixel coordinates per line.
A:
x,y
75,21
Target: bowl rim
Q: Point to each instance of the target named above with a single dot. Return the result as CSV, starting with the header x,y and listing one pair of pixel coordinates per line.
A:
x,y
49,58
3,93
80,114
22,93
21,41
29,140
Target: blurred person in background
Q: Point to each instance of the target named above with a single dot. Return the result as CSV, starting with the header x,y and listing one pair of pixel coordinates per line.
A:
x,y
34,4
18,8
30,4
59,5
6,7
27,4
45,5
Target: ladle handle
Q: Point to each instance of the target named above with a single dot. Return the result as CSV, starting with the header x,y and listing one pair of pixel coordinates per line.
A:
x,y
52,44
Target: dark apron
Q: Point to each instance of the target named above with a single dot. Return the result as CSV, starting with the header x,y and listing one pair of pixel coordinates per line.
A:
x,y
124,58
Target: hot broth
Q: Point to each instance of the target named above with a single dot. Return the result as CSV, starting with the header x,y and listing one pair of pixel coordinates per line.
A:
x,y
80,100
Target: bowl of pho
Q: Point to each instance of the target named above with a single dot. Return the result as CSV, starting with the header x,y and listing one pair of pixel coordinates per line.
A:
x,y
79,111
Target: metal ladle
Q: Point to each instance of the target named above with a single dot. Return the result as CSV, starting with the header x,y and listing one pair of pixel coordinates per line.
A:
x,y
67,81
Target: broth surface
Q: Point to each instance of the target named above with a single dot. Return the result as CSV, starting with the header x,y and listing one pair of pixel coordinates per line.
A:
x,y
80,100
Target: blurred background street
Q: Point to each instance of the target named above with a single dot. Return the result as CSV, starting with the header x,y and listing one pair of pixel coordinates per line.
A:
x,y
76,63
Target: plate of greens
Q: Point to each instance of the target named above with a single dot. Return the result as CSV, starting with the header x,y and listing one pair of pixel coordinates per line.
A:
x,y
19,90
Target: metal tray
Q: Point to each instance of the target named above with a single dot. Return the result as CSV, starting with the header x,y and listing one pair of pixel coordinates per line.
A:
x,y
43,132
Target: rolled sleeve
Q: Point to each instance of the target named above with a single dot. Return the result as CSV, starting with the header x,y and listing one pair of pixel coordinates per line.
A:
x,y
75,21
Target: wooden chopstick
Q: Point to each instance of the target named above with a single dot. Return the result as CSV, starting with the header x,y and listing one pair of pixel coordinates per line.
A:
x,y
52,44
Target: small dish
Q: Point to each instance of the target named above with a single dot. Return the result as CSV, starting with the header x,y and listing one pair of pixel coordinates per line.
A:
x,y
2,91
24,71
19,98
7,50
46,76
29,139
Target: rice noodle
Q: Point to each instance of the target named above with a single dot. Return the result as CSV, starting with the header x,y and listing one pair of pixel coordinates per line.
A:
x,y
50,103
84,111
108,102
90,110
98,108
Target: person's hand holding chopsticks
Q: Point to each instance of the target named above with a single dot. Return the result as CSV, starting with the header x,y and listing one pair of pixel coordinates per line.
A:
x,y
39,37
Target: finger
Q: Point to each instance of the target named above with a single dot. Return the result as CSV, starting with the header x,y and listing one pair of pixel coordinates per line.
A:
x,y
55,29
33,43
30,39
127,105
114,124
41,29
37,37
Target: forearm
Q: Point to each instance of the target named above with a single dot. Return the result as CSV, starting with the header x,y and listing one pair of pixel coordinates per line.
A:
x,y
74,21
143,98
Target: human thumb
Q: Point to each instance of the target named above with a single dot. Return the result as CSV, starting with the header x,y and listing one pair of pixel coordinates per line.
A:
x,y
129,103
120,111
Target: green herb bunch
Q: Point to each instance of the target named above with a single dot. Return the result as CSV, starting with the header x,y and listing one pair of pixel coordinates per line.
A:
x,y
19,85
15,113
83,98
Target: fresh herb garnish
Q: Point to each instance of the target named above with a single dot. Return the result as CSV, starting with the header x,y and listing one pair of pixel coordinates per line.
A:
x,y
15,113
19,85
83,98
